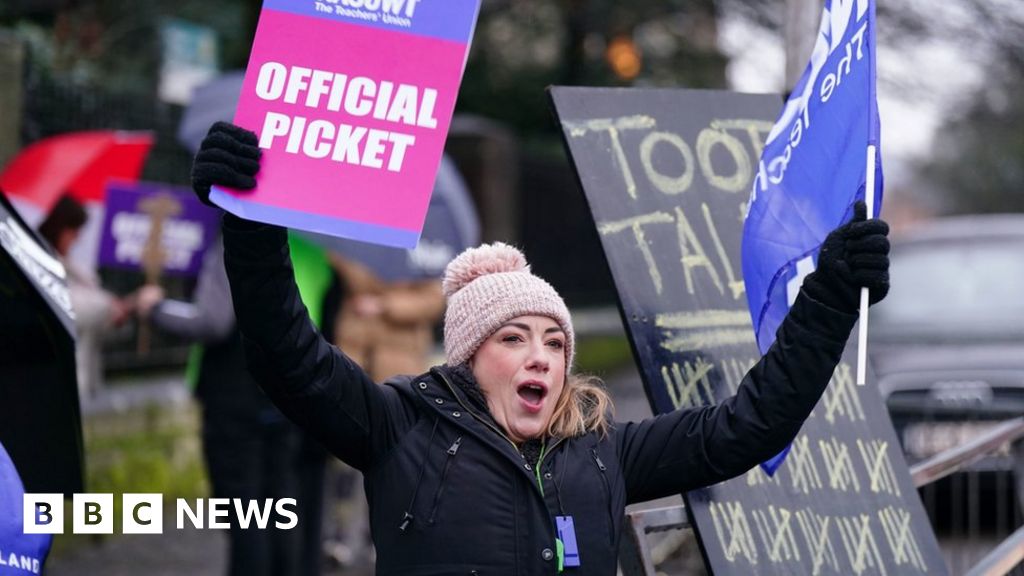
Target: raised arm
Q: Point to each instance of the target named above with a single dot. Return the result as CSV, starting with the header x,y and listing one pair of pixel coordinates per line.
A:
x,y
311,381
688,449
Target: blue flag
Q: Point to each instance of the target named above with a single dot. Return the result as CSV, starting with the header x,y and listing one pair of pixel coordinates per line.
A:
x,y
813,167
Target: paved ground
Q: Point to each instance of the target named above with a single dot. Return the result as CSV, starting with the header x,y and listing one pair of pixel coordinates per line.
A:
x,y
175,553
192,552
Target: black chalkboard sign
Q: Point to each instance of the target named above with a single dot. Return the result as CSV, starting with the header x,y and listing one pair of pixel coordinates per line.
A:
x,y
667,174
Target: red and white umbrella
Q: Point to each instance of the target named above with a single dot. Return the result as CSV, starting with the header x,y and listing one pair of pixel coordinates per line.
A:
x,y
79,164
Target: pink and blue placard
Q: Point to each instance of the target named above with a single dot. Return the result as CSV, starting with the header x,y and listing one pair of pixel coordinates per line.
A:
x,y
188,227
351,100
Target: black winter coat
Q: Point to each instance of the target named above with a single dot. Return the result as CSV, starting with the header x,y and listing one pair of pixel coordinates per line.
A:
x,y
448,492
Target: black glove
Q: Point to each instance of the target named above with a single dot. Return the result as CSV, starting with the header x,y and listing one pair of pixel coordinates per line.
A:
x,y
229,156
855,255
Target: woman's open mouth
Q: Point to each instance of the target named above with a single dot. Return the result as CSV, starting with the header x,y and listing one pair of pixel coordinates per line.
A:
x,y
532,395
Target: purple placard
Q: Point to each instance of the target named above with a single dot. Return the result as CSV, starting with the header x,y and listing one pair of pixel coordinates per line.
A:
x,y
442,19
188,228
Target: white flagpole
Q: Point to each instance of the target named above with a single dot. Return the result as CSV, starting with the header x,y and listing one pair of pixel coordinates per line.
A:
x,y
862,336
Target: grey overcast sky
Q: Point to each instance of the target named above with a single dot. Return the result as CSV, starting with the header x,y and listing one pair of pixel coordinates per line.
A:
x,y
909,120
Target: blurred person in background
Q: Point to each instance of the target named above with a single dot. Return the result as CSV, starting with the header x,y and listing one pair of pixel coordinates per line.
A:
x,y
249,446
97,311
386,327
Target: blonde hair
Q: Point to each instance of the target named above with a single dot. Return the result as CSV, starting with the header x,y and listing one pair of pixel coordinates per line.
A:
x,y
583,407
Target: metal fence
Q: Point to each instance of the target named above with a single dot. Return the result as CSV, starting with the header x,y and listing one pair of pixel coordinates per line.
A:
x,y
978,537
973,494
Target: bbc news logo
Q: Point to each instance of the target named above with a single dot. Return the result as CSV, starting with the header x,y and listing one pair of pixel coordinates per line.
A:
x,y
144,513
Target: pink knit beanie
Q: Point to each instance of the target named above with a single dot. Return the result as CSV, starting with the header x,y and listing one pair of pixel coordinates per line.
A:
x,y
489,285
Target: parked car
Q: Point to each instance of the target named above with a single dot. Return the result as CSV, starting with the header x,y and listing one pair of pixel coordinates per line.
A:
x,y
947,344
